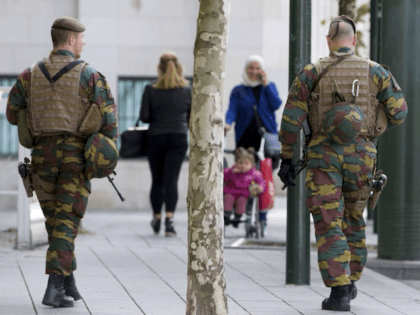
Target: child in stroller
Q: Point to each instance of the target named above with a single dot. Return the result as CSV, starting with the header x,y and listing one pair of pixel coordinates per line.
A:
x,y
240,181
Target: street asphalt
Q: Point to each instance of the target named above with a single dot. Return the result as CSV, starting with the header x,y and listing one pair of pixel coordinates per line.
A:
x,y
124,269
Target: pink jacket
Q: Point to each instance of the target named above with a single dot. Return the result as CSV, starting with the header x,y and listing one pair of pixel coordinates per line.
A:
x,y
238,183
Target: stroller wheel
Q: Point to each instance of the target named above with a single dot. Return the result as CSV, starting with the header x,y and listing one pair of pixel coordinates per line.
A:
x,y
257,230
247,235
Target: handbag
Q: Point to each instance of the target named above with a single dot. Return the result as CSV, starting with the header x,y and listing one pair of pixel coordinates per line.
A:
x,y
134,142
266,199
272,145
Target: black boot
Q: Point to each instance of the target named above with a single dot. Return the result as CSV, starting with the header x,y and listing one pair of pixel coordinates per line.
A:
x,y
339,299
70,287
236,220
155,225
55,294
227,216
169,227
353,290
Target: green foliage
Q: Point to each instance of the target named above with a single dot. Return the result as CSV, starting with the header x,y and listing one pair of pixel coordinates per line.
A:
x,y
347,7
362,11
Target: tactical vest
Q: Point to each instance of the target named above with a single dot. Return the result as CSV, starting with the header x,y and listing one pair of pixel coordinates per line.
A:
x,y
340,78
56,108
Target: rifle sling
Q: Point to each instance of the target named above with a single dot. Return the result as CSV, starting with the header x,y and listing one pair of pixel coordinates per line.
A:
x,y
60,73
324,72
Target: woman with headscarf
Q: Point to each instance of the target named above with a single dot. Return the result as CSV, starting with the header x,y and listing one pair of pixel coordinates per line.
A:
x,y
166,106
255,93
255,90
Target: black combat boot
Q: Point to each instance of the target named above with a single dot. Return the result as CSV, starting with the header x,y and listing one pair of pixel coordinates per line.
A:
x,y
169,227
339,299
55,294
70,287
353,290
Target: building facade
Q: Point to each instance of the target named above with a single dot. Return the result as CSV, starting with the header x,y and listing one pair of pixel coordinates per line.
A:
x,y
125,39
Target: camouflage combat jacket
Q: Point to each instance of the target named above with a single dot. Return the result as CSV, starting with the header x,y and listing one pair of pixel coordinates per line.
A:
x,y
296,109
92,82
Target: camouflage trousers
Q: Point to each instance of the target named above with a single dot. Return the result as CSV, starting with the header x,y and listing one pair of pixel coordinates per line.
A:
x,y
62,191
337,189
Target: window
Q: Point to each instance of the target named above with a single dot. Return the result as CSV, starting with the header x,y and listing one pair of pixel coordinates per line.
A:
x,y
9,138
130,92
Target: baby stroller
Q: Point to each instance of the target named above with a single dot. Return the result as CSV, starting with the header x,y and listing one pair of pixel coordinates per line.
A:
x,y
253,226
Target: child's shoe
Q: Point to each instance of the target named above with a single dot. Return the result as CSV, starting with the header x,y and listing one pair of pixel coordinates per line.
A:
x,y
236,220
227,217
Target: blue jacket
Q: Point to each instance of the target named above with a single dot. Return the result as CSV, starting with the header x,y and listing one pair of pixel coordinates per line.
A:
x,y
241,109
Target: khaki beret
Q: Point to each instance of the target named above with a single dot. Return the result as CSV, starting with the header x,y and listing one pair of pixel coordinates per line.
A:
x,y
68,23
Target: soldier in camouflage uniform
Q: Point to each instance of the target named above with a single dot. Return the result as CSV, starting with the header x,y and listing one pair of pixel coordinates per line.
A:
x,y
340,166
55,111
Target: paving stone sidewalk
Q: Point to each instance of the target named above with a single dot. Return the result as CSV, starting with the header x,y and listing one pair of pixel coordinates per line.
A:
x,y
124,269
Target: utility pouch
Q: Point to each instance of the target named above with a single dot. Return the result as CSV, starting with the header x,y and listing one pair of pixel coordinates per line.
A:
x,y
25,136
92,121
357,200
381,122
25,171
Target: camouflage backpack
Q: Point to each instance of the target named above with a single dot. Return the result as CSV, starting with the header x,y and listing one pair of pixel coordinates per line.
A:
x,y
101,156
343,122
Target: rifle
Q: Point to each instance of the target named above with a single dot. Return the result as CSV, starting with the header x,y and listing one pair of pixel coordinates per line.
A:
x,y
301,164
111,180
25,171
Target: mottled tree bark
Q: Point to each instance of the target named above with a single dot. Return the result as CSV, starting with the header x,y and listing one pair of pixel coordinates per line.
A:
x,y
348,7
206,271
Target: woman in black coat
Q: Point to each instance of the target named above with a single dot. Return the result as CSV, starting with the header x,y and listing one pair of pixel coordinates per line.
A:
x,y
166,106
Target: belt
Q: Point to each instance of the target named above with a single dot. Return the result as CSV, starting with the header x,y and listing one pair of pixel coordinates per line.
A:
x,y
53,138
367,138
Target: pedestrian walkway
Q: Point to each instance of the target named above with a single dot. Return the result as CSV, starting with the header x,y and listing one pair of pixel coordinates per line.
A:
x,y
124,269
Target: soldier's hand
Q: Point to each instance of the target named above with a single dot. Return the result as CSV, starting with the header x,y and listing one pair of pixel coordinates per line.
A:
x,y
287,172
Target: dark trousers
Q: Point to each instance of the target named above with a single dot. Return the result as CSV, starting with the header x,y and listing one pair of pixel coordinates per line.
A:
x,y
165,154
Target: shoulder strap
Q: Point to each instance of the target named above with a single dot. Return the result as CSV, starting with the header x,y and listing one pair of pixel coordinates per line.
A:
x,y
58,75
261,128
324,72
44,71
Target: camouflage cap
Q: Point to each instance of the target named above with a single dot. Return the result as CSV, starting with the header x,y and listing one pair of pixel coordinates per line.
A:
x,y
101,155
69,24
343,122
